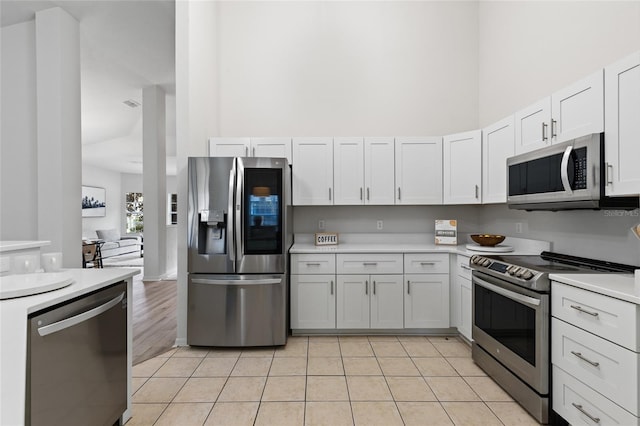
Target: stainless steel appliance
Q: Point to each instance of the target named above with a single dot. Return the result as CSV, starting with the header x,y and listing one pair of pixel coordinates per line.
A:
x,y
77,360
564,176
511,317
238,241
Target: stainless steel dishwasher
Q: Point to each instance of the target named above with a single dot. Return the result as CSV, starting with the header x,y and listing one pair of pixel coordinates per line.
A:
x,y
77,360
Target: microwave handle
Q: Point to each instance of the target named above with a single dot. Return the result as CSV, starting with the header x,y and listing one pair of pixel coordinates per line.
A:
x,y
564,166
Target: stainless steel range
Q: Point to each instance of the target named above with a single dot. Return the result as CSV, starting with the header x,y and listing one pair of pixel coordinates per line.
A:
x,y
511,317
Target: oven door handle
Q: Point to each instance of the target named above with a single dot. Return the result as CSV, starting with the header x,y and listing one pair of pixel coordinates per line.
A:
x,y
529,301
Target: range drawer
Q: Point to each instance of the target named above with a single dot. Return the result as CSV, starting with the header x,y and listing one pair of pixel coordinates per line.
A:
x,y
462,266
313,263
609,318
370,263
600,364
426,263
579,404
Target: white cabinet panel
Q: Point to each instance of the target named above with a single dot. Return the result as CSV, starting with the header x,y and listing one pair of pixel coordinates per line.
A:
x,y
370,263
498,144
271,147
462,168
348,171
418,170
312,171
313,263
466,308
229,147
426,263
353,301
532,126
622,126
379,171
386,301
313,302
426,301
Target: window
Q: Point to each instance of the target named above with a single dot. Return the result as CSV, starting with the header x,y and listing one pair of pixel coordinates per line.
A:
x,y
172,209
134,211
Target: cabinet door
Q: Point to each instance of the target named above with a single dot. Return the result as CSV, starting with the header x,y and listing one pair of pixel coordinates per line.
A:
x,y
313,171
386,301
353,301
498,144
578,109
229,147
348,171
426,301
313,302
466,308
532,126
271,147
418,170
622,126
379,171
463,168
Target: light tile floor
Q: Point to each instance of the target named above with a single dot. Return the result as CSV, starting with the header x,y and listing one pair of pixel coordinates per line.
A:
x,y
351,380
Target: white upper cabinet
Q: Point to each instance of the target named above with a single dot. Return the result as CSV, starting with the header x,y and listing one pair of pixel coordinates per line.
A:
x,y
418,170
574,111
379,171
498,144
229,147
271,147
622,126
463,168
312,171
348,170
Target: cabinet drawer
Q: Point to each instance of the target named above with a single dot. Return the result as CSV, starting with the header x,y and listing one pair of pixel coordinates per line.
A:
x,y
426,263
600,364
313,263
370,263
604,316
575,402
462,266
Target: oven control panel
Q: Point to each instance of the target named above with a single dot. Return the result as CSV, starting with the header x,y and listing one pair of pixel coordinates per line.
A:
x,y
503,268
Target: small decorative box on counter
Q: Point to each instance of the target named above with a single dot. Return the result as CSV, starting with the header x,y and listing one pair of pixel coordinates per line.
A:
x,y
446,231
326,238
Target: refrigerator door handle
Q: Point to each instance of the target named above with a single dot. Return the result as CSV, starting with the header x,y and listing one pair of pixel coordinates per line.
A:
x,y
236,282
239,200
231,247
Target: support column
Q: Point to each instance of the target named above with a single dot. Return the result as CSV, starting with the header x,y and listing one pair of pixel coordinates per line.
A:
x,y
154,182
59,145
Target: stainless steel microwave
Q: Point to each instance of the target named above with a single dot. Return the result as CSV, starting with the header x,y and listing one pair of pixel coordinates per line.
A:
x,y
564,176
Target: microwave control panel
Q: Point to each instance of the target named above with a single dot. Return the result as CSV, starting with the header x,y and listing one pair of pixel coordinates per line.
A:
x,y
580,169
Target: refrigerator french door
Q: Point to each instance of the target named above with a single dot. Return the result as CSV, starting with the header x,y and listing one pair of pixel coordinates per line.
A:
x,y
238,240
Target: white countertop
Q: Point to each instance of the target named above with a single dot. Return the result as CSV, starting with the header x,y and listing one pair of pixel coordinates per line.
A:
x,y
21,245
406,243
619,286
13,333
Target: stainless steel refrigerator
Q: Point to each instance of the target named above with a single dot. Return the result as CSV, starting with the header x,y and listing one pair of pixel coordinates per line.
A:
x,y
238,241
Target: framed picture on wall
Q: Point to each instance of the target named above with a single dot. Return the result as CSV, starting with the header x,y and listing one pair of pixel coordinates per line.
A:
x,y
94,201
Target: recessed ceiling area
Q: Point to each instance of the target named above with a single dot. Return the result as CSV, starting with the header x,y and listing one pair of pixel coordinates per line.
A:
x,y
124,47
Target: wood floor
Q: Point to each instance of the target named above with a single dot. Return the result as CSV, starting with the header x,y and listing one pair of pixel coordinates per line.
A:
x,y
154,318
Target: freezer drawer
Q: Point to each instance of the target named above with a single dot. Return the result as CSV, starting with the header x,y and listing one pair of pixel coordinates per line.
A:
x,y
237,310
77,358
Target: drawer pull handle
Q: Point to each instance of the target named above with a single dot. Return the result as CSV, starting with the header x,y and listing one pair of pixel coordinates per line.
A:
x,y
579,355
369,263
583,411
427,263
465,267
584,311
313,264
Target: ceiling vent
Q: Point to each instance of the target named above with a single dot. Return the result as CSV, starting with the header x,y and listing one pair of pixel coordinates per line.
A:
x,y
131,103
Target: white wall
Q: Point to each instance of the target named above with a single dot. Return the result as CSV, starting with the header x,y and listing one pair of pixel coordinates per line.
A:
x,y
363,68
111,182
18,141
529,49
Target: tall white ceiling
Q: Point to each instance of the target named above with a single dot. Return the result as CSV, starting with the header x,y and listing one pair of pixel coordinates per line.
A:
x,y
124,46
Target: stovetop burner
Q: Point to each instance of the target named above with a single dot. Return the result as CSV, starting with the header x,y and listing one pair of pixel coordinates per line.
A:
x,y
532,271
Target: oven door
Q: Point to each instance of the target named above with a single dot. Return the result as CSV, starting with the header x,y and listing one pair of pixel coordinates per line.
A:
x,y
512,325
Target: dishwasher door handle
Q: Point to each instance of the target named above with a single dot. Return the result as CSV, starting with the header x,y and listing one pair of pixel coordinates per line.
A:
x,y
77,319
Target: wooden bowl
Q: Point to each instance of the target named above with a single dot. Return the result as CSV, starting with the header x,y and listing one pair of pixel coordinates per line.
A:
x,y
487,240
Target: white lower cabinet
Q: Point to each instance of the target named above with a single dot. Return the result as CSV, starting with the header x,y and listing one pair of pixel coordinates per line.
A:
x,y
594,357
462,294
313,302
369,301
426,301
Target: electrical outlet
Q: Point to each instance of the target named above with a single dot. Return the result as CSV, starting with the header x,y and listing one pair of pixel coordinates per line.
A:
x,y
519,227
321,224
380,224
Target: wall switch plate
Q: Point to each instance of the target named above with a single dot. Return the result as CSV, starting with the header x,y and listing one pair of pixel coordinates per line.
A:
x,y
380,224
321,224
519,228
